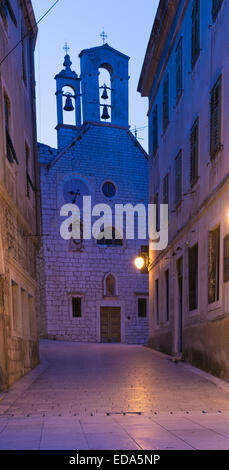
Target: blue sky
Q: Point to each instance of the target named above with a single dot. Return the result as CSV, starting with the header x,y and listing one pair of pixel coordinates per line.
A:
x,y
128,24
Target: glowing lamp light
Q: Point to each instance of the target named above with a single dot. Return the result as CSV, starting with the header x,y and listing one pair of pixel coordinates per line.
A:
x,y
139,262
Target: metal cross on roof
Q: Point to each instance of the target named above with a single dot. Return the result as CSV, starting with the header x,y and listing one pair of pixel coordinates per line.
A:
x,y
66,48
104,36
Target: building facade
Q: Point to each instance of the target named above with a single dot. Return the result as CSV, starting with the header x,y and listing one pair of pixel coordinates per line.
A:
x,y
91,290
19,215
186,77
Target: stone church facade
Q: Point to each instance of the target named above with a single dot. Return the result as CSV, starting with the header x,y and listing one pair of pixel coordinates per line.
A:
x,y
90,289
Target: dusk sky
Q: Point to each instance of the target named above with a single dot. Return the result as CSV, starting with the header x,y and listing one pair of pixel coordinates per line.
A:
x,y
128,25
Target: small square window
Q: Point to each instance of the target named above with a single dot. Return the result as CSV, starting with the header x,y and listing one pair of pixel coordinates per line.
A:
x,y
76,307
142,308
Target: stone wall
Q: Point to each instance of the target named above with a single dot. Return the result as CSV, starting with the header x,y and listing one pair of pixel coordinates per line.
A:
x,y
105,153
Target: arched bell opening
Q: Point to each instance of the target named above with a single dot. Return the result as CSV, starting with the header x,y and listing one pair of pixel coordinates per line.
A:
x,y
69,105
105,94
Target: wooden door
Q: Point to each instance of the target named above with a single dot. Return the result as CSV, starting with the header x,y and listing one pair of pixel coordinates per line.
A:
x,y
110,327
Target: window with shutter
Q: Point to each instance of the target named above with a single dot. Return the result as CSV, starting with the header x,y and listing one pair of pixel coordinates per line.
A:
x,y
167,294
195,31
178,178
215,143
193,277
194,152
226,259
76,307
166,189
23,54
213,265
142,308
166,102
216,5
179,70
156,202
5,9
10,151
157,301
155,130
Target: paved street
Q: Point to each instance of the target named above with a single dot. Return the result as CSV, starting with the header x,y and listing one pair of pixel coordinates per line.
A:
x,y
101,396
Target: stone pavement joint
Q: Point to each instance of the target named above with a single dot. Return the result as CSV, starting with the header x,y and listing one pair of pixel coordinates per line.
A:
x,y
118,397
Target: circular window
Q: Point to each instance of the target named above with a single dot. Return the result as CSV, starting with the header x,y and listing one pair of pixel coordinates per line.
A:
x,y
109,189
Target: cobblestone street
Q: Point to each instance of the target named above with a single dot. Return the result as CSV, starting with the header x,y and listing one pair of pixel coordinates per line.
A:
x,y
100,396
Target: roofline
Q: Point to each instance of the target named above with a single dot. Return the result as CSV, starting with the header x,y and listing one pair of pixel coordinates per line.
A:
x,y
30,17
104,46
165,15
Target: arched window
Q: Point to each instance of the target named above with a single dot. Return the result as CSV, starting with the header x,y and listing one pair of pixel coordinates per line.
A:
x,y
69,116
105,91
116,239
110,287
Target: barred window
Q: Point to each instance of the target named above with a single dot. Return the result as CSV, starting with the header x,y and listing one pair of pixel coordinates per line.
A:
x,y
166,102
155,130
178,178
215,143
195,31
194,152
179,69
216,5
213,265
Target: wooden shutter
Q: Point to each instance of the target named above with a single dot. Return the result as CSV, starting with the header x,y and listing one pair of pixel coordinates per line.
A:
x,y
195,31
215,143
157,301
167,294
178,178
155,130
156,202
179,71
166,189
194,152
216,5
193,277
213,265
166,102
226,259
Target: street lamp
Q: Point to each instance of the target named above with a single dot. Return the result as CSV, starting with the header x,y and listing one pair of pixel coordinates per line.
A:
x,y
140,262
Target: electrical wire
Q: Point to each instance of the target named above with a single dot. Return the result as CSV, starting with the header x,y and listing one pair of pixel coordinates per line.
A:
x,y
27,34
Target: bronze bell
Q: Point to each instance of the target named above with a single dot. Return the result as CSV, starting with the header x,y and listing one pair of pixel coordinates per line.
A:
x,y
104,95
68,105
105,114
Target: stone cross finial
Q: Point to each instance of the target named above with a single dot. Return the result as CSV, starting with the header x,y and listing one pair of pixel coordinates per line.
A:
x,y
104,36
66,48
